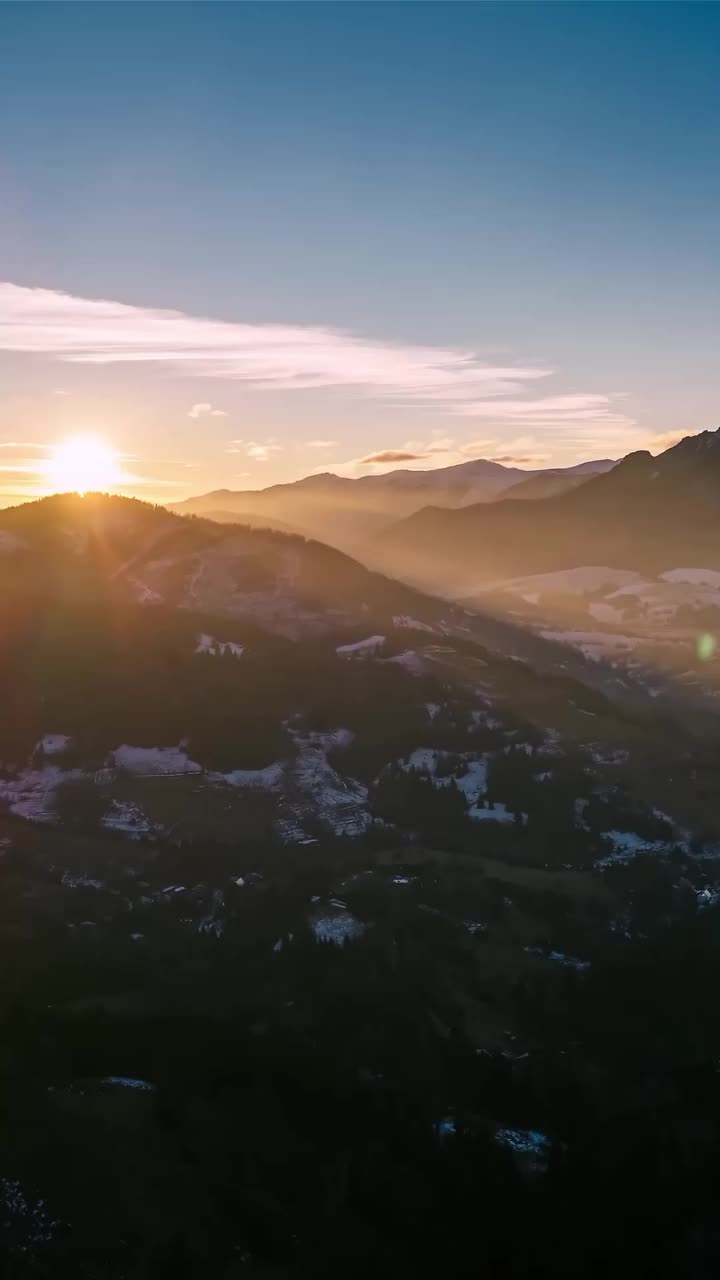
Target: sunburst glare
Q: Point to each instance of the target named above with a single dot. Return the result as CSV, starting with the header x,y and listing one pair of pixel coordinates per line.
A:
x,y
82,464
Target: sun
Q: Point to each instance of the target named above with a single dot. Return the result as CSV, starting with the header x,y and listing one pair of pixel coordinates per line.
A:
x,y
81,465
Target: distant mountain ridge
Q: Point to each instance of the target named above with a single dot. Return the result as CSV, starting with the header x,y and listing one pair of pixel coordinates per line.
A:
x,y
647,513
345,512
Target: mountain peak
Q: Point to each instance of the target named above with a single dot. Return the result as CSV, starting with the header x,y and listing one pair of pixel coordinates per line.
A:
x,y
701,442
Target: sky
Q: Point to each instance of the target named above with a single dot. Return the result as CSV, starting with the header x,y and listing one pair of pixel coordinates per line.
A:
x,y
244,242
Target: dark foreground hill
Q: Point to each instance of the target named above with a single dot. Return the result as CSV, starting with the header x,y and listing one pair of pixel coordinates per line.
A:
x,y
97,546
351,944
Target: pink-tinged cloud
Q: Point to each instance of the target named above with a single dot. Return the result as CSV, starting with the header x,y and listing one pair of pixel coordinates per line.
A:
x,y
286,357
477,447
550,411
518,460
391,455
258,450
22,444
205,410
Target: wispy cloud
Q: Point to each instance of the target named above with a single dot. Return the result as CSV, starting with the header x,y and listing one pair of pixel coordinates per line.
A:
x,y
262,452
24,468
444,451
520,460
550,410
321,444
442,444
205,410
258,450
285,357
477,447
22,444
391,455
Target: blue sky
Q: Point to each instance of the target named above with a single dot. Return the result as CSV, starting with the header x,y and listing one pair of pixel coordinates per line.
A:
x,y
483,230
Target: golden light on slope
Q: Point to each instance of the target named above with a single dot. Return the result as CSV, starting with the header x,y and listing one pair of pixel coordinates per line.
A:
x,y
82,464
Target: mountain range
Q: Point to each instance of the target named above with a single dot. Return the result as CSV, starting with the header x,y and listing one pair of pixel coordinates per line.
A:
x,y
647,514
346,512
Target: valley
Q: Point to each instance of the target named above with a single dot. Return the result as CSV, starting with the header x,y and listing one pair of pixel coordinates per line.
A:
x,y
276,829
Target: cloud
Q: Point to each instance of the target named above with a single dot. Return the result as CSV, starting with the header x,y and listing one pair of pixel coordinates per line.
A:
x,y
477,446
284,357
666,439
391,455
205,410
550,410
443,445
22,444
289,357
321,444
517,460
439,451
258,450
261,452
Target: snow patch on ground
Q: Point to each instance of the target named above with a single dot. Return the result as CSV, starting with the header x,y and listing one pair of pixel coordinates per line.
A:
x,y
627,844
267,779
658,600
608,755
412,624
53,744
595,645
605,613
361,648
495,813
316,791
579,581
81,882
526,1142
698,577
446,1128
559,957
128,1082
424,759
481,716
143,593
410,660
338,929
149,761
126,818
33,793
472,782
217,648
